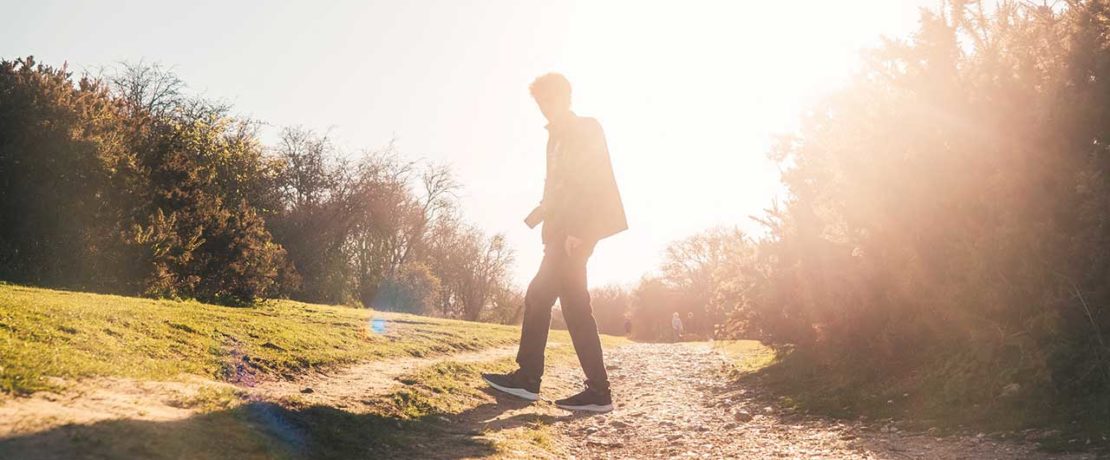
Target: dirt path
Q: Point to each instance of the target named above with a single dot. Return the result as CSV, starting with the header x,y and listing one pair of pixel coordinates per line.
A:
x,y
100,399
349,389
673,402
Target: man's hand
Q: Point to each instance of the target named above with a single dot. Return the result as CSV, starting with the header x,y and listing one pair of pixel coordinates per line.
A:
x,y
535,217
572,244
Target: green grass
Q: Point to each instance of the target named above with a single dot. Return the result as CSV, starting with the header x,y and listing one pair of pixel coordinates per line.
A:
x,y
47,333
210,398
454,391
747,355
438,410
946,395
449,387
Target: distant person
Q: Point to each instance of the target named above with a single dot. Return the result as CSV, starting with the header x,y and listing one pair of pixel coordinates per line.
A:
x,y
676,327
690,325
628,327
581,205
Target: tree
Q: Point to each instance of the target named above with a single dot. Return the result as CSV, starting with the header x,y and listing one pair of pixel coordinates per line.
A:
x,y
472,267
506,305
611,305
950,204
693,268
653,303
313,220
205,241
59,144
412,289
147,89
131,187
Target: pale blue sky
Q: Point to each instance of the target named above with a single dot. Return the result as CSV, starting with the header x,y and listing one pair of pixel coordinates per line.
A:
x,y
690,93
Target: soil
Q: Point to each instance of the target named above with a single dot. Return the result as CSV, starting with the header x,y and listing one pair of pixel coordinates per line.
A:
x,y
93,400
673,401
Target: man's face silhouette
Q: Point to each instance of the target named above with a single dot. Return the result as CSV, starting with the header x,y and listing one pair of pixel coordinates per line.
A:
x,y
554,107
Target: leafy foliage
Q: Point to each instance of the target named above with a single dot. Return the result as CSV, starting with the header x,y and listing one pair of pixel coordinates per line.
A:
x,y
50,230
956,192
945,226
129,185
129,190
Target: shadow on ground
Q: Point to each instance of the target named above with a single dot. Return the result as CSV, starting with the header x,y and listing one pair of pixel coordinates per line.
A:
x,y
905,418
267,430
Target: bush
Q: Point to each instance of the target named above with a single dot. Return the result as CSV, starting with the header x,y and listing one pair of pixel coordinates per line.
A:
x,y
950,206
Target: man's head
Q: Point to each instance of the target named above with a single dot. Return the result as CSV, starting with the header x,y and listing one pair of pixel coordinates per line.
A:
x,y
552,93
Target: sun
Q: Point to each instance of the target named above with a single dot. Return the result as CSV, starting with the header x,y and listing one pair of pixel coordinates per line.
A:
x,y
692,95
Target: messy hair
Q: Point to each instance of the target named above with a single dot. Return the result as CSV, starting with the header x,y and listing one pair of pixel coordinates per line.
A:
x,y
550,86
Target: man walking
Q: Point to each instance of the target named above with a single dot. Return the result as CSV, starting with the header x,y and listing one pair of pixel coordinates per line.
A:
x,y
581,205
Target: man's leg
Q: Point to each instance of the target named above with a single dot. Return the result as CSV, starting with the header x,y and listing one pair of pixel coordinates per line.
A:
x,y
539,299
574,296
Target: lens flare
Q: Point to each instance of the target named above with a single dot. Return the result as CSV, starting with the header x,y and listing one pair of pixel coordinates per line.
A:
x,y
377,326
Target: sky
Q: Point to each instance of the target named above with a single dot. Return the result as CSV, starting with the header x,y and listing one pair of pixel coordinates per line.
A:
x,y
691,93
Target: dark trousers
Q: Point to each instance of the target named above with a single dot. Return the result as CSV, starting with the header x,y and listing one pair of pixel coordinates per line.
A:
x,y
561,277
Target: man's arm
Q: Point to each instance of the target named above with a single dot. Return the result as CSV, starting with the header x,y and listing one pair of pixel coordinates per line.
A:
x,y
535,217
592,175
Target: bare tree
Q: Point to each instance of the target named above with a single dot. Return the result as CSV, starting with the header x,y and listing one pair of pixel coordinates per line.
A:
x,y
149,88
471,266
307,175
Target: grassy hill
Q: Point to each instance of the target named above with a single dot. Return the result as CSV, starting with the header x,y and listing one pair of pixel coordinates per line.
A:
x,y
67,342
47,333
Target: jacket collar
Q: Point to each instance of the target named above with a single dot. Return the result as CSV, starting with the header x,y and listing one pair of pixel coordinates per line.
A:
x,y
560,125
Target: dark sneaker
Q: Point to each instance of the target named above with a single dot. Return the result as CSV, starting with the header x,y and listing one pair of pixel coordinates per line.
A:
x,y
591,399
515,384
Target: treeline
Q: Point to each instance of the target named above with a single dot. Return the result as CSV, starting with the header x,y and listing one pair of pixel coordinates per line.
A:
x,y
686,283
948,217
127,184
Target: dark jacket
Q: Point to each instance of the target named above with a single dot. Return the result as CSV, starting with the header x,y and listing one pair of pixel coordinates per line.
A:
x,y
580,192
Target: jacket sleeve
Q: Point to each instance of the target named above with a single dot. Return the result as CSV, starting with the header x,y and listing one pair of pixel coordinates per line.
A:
x,y
599,212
